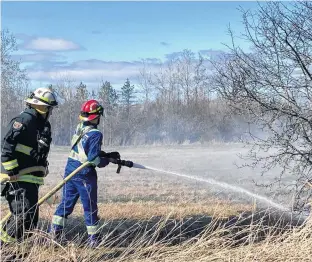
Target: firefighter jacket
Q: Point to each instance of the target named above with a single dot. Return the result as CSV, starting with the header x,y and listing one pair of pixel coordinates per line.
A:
x,y
21,147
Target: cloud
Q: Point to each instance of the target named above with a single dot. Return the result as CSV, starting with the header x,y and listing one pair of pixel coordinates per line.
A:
x,y
92,70
47,44
164,44
40,61
52,67
22,36
212,54
38,57
173,55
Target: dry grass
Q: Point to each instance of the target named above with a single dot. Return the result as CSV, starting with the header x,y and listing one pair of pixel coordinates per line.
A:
x,y
153,217
215,243
146,210
131,233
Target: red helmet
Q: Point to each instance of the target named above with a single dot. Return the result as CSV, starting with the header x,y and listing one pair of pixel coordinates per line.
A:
x,y
90,110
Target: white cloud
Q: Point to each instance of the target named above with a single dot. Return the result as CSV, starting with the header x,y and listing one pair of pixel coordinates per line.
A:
x,y
91,71
50,44
85,74
37,57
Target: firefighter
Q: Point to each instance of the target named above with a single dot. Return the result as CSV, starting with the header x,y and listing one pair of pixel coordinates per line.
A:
x,y
25,148
86,146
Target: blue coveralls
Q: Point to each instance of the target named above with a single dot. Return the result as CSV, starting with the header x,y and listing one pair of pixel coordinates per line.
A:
x,y
84,183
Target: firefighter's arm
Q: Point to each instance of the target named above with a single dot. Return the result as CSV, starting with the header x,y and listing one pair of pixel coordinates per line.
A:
x,y
94,152
8,159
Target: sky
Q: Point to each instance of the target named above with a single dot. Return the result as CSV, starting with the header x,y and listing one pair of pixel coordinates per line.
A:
x,y
95,41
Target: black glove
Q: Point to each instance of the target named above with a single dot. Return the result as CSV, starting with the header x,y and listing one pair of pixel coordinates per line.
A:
x,y
114,155
103,162
102,154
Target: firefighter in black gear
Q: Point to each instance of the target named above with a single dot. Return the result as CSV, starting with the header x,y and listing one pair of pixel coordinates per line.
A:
x,y
25,149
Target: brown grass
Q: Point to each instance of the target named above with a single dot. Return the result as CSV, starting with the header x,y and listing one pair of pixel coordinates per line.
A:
x,y
293,245
158,218
214,243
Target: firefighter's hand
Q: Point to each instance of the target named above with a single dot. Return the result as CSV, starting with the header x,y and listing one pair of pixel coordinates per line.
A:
x,y
12,175
13,178
114,155
6,178
103,162
102,154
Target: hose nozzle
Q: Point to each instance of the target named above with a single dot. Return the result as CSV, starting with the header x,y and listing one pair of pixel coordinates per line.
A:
x,y
121,163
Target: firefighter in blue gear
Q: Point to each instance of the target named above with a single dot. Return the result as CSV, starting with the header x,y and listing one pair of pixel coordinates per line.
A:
x,y
86,146
25,148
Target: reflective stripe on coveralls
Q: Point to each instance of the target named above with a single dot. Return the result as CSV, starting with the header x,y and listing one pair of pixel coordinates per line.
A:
x,y
92,230
57,220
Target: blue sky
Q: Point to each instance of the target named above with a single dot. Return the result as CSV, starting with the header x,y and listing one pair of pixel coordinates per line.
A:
x,y
90,41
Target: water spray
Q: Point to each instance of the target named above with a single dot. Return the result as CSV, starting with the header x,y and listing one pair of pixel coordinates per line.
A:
x,y
211,181
131,164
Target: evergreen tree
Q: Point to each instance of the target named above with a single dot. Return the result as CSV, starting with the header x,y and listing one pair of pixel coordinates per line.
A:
x,y
82,93
108,96
128,96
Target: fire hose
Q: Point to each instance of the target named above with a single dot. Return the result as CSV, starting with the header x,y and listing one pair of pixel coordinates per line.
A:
x,y
118,162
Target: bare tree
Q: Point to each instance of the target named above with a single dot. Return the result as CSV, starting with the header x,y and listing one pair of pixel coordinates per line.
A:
x,y
14,82
144,80
65,118
272,85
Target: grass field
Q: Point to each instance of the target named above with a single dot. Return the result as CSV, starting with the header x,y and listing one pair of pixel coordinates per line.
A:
x,y
153,216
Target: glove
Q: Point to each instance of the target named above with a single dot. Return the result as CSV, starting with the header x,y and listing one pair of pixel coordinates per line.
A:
x,y
114,154
103,162
102,154
11,175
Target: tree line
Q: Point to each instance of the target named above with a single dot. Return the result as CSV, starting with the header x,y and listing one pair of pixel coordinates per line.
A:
x,y
172,105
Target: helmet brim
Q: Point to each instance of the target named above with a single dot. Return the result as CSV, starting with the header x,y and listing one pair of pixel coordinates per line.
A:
x,y
88,118
34,101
